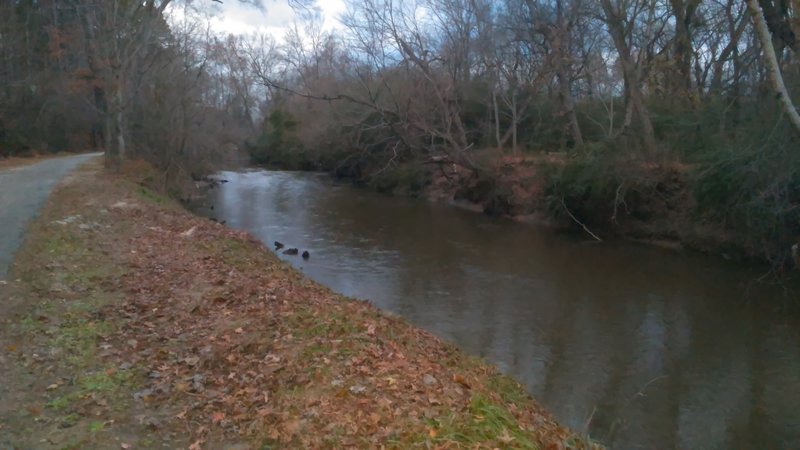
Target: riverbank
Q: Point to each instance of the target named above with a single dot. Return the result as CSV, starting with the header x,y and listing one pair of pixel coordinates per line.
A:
x,y
134,324
701,207
650,203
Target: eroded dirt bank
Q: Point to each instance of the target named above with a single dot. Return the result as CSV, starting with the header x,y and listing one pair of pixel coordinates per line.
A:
x,y
649,203
134,324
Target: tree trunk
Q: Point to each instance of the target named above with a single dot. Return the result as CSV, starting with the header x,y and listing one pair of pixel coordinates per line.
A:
x,y
683,11
771,60
496,119
514,121
631,75
561,49
119,117
565,92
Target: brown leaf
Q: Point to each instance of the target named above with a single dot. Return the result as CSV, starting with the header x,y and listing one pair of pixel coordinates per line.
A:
x,y
461,380
292,427
192,360
374,418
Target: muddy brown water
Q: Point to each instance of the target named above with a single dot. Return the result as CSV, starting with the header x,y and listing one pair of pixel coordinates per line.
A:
x,y
639,347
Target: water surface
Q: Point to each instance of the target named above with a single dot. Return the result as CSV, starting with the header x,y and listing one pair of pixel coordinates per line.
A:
x,y
640,347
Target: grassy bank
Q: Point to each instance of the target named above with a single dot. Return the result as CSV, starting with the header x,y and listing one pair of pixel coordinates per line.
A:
x,y
134,324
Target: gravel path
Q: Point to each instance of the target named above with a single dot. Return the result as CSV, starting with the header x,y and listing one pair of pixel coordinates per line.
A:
x,y
23,190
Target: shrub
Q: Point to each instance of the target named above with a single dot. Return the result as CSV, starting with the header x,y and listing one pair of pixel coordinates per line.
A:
x,y
407,178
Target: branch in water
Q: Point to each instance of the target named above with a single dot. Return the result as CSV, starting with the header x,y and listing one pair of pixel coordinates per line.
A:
x,y
585,228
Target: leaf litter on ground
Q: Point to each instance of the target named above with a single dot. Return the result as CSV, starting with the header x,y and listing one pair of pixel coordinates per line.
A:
x,y
229,345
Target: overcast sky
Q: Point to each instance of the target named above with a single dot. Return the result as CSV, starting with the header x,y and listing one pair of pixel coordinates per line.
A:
x,y
236,18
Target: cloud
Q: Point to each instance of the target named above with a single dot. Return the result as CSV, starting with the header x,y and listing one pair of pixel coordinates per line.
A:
x,y
237,18
275,14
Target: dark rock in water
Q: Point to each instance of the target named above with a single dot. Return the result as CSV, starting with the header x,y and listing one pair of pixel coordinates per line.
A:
x,y
223,222
211,207
278,245
223,181
306,255
213,219
291,251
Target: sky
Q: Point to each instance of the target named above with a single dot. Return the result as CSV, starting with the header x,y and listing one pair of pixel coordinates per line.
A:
x,y
236,18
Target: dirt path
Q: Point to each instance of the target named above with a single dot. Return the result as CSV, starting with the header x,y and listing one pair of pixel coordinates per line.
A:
x,y
23,190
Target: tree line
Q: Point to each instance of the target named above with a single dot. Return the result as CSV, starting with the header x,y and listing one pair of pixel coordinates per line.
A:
x,y
117,75
641,101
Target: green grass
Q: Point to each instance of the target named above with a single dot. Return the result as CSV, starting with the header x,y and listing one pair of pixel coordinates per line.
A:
x,y
486,422
316,349
104,381
60,402
234,251
508,389
330,324
151,196
108,384
68,321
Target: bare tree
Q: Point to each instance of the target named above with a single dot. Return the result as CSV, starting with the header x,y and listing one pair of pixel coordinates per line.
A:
x,y
775,75
620,26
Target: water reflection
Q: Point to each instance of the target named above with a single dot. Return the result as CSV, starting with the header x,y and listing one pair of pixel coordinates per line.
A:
x,y
641,348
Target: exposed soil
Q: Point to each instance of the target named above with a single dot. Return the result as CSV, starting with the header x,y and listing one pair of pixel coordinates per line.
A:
x,y
133,324
652,204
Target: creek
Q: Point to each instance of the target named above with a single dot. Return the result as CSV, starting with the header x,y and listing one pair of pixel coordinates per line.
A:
x,y
637,346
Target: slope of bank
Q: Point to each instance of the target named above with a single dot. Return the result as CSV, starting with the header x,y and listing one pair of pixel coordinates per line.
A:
x,y
134,324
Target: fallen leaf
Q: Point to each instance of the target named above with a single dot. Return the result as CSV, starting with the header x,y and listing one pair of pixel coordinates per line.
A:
x,y
292,427
191,360
217,417
461,380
